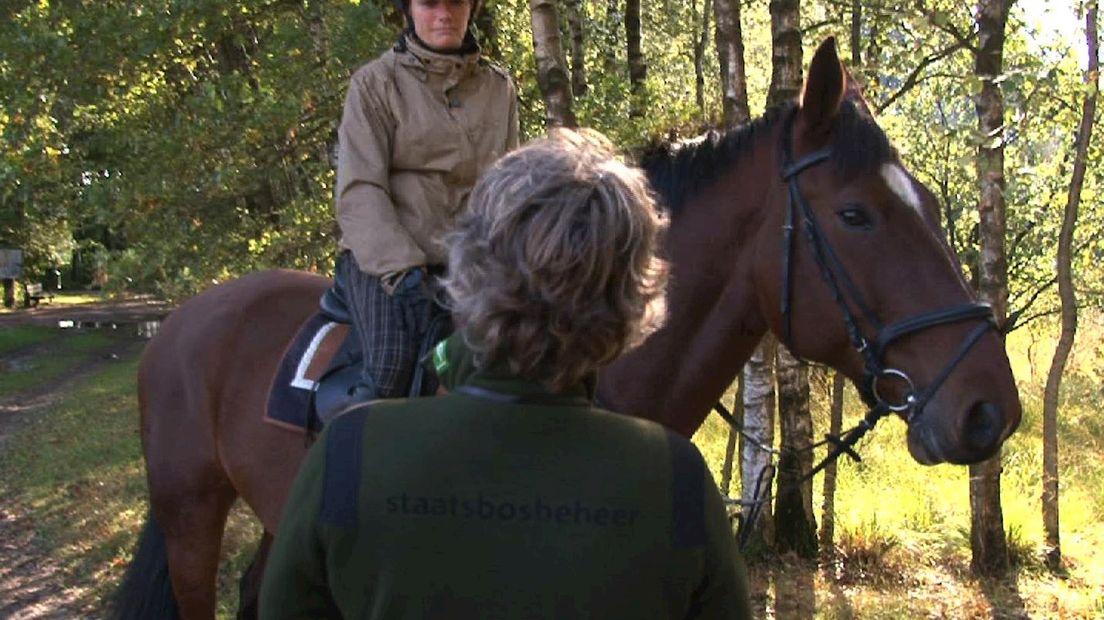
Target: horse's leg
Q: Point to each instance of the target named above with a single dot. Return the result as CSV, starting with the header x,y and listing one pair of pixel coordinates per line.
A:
x,y
193,521
190,492
249,588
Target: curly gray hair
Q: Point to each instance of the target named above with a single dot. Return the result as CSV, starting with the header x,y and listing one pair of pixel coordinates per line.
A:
x,y
554,267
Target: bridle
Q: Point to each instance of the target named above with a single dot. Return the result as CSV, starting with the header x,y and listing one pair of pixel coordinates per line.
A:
x,y
846,295
872,350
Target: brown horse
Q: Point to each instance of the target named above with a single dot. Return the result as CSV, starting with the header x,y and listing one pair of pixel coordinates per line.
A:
x,y
804,222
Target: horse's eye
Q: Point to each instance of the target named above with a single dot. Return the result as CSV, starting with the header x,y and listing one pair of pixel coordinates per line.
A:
x,y
855,217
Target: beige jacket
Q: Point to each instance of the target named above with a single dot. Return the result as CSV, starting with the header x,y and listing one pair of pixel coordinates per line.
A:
x,y
417,131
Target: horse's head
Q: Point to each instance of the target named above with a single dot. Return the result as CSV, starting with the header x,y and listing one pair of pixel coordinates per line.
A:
x,y
866,282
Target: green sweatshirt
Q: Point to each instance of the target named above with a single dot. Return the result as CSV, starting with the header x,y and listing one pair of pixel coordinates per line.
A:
x,y
501,500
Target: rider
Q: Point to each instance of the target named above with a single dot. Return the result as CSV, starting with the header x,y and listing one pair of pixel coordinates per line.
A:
x,y
420,124
513,496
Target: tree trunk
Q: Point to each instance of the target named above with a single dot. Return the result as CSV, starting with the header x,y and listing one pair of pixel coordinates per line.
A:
x,y
786,51
795,525
638,67
987,539
575,22
756,470
828,507
730,53
612,42
734,438
699,54
795,528
856,34
1069,300
551,68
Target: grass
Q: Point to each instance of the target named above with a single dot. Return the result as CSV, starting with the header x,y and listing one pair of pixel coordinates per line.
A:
x,y
902,529
62,354
15,338
901,546
77,468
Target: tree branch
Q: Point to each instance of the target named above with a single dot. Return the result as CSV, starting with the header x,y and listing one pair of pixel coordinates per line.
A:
x,y
914,76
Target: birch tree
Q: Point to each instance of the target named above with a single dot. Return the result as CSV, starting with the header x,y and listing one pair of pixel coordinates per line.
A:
x,y
795,528
551,68
1068,298
729,40
575,26
756,467
987,539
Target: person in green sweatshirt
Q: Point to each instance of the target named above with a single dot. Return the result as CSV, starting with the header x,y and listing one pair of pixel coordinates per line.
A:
x,y
513,495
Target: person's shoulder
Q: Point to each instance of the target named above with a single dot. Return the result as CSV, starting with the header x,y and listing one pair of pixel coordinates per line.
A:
x,y
379,69
496,69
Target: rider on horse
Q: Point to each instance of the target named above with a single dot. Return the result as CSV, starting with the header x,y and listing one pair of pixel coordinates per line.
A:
x,y
421,123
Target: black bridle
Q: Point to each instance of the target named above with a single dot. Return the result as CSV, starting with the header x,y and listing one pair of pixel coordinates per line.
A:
x,y
846,295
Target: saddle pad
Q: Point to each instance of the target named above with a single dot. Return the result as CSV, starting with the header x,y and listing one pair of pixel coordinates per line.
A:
x,y
304,361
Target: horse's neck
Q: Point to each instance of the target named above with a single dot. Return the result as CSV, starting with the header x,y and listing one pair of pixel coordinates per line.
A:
x,y
713,321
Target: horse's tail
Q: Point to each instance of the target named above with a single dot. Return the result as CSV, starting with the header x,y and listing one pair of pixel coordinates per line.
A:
x,y
146,591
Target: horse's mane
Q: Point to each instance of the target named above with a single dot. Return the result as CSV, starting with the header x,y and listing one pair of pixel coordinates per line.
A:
x,y
677,170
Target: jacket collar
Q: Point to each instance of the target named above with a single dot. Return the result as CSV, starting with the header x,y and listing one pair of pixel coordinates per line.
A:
x,y
456,66
458,372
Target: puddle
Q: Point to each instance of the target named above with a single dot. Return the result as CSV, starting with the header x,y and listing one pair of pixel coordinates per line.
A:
x,y
143,329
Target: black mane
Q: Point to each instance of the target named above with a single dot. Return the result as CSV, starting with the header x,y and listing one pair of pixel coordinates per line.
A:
x,y
677,171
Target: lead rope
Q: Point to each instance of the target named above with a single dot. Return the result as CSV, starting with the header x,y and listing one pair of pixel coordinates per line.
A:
x,y
844,443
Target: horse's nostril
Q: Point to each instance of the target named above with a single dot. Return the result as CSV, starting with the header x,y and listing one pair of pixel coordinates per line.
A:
x,y
984,425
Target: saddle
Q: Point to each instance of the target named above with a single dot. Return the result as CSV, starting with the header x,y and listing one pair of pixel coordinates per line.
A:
x,y
321,367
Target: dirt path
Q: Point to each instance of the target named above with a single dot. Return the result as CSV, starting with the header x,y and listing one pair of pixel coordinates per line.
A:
x,y
133,310
31,583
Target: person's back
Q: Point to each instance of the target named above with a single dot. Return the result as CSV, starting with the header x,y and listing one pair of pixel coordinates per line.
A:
x,y
544,508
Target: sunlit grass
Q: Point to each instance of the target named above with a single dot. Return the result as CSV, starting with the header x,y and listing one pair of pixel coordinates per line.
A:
x,y
61,298
927,511
77,468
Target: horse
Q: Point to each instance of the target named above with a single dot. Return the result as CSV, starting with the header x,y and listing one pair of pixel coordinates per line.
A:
x,y
874,291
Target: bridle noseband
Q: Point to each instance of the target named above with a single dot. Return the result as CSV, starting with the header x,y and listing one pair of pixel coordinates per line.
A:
x,y
846,294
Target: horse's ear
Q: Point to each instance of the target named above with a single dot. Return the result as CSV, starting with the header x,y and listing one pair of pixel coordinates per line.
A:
x,y
853,92
824,89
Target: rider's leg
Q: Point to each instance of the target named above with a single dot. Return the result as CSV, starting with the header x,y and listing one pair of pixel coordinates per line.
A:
x,y
389,350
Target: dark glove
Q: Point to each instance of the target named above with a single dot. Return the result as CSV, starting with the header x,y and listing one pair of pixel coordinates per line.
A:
x,y
415,302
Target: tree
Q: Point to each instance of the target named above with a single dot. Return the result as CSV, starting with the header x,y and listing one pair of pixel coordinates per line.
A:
x,y
730,52
1068,297
575,21
828,507
699,53
551,68
987,540
785,51
756,467
795,528
638,66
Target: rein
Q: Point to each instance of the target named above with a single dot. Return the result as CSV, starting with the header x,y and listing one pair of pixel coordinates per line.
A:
x,y
843,290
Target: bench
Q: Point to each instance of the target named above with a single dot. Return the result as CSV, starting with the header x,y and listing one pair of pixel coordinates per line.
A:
x,y
34,293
